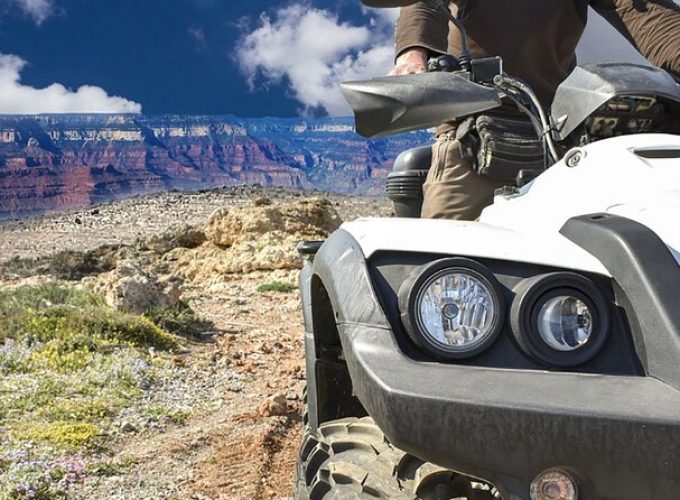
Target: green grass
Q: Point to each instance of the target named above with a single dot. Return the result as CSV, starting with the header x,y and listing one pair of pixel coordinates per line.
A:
x,y
277,287
175,416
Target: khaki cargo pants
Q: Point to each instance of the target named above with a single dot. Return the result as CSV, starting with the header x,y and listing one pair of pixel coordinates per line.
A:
x,y
453,190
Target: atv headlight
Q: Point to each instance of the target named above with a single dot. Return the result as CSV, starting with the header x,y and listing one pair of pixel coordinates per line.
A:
x,y
565,322
452,308
561,319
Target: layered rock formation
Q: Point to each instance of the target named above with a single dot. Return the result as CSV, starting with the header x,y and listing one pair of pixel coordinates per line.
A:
x,y
53,162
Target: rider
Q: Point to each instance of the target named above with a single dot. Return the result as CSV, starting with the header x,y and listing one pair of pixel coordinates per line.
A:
x,y
537,40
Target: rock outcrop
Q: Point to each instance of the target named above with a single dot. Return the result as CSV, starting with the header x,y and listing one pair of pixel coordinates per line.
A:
x,y
260,237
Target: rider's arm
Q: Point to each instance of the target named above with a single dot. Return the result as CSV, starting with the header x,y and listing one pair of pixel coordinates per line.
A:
x,y
421,30
652,26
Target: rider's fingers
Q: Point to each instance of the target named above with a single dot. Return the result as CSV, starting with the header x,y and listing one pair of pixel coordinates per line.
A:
x,y
407,69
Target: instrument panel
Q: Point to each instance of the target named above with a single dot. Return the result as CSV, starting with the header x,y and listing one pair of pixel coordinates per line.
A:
x,y
626,115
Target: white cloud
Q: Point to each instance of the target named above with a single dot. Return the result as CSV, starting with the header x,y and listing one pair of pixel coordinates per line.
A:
x,y
17,98
39,10
313,51
197,34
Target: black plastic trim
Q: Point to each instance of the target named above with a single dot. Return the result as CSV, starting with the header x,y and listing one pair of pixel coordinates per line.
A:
x,y
335,288
649,278
309,247
390,269
616,433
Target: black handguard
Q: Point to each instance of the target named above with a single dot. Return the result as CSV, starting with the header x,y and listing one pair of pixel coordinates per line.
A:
x,y
446,63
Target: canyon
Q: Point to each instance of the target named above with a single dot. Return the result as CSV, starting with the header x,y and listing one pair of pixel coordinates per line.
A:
x,y
51,163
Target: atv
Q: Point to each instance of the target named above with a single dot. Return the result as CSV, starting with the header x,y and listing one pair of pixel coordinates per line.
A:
x,y
531,354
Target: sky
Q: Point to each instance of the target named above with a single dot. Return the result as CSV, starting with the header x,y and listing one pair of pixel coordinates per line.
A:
x,y
247,58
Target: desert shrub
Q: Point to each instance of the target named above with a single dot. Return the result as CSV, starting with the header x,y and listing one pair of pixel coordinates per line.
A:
x,y
23,267
81,410
72,265
276,286
65,265
70,323
61,435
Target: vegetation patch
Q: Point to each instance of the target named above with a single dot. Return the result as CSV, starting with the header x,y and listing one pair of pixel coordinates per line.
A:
x,y
277,287
65,265
24,475
173,415
70,367
88,409
108,467
62,435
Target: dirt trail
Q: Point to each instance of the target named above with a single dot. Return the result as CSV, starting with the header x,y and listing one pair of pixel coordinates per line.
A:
x,y
244,445
253,451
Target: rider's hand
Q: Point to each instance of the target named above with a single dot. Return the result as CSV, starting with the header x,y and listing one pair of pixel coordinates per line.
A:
x,y
411,62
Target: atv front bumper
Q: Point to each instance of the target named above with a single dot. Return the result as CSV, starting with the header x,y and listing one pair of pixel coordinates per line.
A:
x,y
619,436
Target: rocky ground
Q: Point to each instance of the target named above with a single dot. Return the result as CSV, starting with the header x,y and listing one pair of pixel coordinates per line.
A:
x,y
235,388
125,221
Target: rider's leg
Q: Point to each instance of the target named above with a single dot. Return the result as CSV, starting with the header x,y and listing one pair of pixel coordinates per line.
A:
x,y
453,190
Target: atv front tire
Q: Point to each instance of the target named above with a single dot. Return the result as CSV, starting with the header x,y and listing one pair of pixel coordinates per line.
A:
x,y
351,458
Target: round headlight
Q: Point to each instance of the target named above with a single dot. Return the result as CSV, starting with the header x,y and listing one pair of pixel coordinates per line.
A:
x,y
561,319
453,308
565,323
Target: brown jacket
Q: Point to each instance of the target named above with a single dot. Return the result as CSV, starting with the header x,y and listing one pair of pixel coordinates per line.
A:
x,y
537,38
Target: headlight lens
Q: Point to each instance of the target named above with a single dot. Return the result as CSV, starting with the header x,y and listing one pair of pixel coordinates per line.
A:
x,y
565,323
456,309
453,308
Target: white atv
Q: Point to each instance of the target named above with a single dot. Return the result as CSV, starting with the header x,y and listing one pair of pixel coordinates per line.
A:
x,y
532,354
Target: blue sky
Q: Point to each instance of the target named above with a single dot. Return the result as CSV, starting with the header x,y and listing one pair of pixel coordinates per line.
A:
x,y
249,58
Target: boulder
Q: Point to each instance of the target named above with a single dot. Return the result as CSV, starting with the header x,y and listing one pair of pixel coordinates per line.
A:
x,y
129,288
302,218
177,236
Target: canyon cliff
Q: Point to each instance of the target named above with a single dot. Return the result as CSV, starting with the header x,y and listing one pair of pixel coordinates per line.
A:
x,y
55,162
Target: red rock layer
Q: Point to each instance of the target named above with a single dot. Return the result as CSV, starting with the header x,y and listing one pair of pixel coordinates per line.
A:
x,y
57,162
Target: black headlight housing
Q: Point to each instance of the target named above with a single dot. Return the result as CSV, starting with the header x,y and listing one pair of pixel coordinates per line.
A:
x,y
411,293
534,293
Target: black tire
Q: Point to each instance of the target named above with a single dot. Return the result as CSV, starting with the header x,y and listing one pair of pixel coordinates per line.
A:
x,y
351,458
